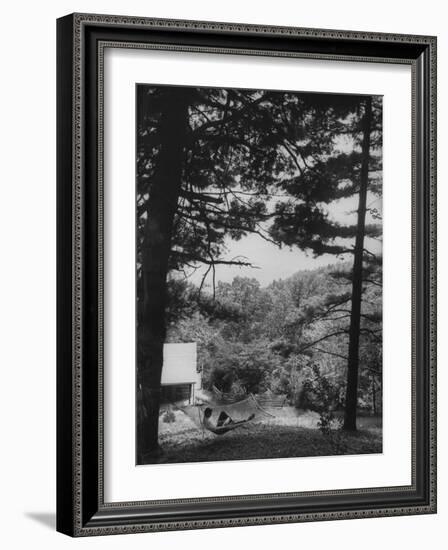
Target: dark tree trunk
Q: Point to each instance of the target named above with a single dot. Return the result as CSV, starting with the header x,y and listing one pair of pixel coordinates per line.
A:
x,y
156,247
351,399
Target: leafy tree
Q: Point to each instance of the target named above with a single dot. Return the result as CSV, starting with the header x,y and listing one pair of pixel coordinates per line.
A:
x,y
253,305
248,365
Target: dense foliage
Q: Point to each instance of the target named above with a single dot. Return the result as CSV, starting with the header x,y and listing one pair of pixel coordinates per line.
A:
x,y
251,339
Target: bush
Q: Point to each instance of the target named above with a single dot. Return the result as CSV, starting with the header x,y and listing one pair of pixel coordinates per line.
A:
x,y
169,417
321,396
242,368
288,376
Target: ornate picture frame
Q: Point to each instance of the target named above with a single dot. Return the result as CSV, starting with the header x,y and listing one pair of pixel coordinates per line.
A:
x,y
81,506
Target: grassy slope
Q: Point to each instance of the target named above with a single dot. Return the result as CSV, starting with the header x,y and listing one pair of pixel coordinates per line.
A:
x,y
265,441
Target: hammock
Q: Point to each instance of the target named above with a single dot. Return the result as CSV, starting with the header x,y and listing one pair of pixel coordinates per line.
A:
x,y
240,413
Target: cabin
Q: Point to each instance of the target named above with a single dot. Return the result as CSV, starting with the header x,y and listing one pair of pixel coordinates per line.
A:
x,y
181,377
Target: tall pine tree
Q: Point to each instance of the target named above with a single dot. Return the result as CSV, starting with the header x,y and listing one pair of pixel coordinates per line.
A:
x,y
205,161
335,158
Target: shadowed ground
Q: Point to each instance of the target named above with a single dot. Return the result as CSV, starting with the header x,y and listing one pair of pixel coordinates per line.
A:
x,y
293,434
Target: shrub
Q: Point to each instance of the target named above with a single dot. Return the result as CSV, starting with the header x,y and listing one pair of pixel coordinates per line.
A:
x,y
321,396
169,416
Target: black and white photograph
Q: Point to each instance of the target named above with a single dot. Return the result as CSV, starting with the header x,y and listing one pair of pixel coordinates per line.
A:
x,y
258,274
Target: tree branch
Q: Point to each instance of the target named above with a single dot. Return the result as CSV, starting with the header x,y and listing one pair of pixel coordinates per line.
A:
x,y
331,353
311,344
214,261
205,197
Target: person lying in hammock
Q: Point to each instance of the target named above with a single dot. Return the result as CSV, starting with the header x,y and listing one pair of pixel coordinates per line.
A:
x,y
224,423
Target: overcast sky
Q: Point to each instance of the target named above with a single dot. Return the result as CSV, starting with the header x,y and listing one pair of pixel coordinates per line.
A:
x,y
275,263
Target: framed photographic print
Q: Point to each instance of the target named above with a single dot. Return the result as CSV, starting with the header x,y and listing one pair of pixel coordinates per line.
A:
x,y
246,274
